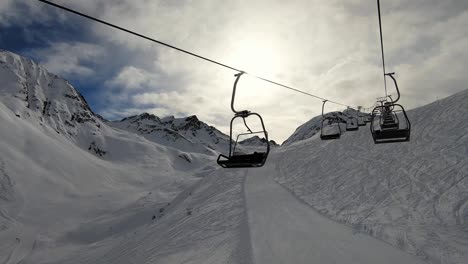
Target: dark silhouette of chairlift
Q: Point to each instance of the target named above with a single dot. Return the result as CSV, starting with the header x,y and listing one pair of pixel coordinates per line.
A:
x,y
333,123
237,159
386,126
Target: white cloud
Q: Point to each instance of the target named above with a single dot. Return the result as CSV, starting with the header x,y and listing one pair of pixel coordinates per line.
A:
x,y
130,78
68,59
329,48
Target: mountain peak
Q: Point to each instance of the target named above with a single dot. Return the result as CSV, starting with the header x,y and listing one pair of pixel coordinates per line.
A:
x,y
192,118
186,133
32,92
257,141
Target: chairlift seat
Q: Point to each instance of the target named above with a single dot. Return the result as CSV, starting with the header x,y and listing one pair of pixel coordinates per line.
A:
x,y
390,126
391,136
390,131
333,122
352,127
330,136
330,131
352,124
257,159
390,122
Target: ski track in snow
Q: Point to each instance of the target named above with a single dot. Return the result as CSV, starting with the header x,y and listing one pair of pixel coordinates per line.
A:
x,y
286,230
215,231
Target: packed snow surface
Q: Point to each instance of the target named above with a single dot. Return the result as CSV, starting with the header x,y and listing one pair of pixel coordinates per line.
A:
x,y
285,230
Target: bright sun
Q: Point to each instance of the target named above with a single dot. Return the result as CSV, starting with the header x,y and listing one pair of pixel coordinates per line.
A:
x,y
256,56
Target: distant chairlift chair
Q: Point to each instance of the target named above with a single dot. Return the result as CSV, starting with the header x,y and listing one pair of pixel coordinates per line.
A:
x,y
236,159
332,130
361,121
386,126
351,123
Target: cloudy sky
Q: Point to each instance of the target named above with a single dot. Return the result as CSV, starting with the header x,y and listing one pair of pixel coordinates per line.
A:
x,y
328,48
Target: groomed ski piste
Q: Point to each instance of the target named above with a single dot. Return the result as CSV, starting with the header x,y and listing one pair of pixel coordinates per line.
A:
x,y
139,198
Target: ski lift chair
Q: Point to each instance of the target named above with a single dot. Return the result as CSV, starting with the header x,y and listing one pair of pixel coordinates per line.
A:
x,y
237,159
332,130
351,123
389,121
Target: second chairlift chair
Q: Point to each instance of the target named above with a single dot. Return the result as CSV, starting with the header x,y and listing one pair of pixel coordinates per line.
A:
x,y
236,159
351,121
333,128
386,126
352,124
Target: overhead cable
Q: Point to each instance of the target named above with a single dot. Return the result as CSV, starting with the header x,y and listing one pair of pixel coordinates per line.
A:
x,y
183,50
382,47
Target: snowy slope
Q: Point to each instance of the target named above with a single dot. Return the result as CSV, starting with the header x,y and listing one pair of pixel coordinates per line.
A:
x,y
286,230
69,182
206,223
413,195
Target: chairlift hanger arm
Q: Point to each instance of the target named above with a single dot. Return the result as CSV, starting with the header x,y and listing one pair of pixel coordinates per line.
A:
x,y
233,98
323,106
396,87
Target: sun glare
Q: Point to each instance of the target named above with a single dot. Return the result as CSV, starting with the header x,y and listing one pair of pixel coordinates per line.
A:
x,y
256,56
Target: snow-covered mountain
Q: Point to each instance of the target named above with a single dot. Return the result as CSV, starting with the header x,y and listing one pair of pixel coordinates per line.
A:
x,y
50,100
257,141
36,95
305,131
188,134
